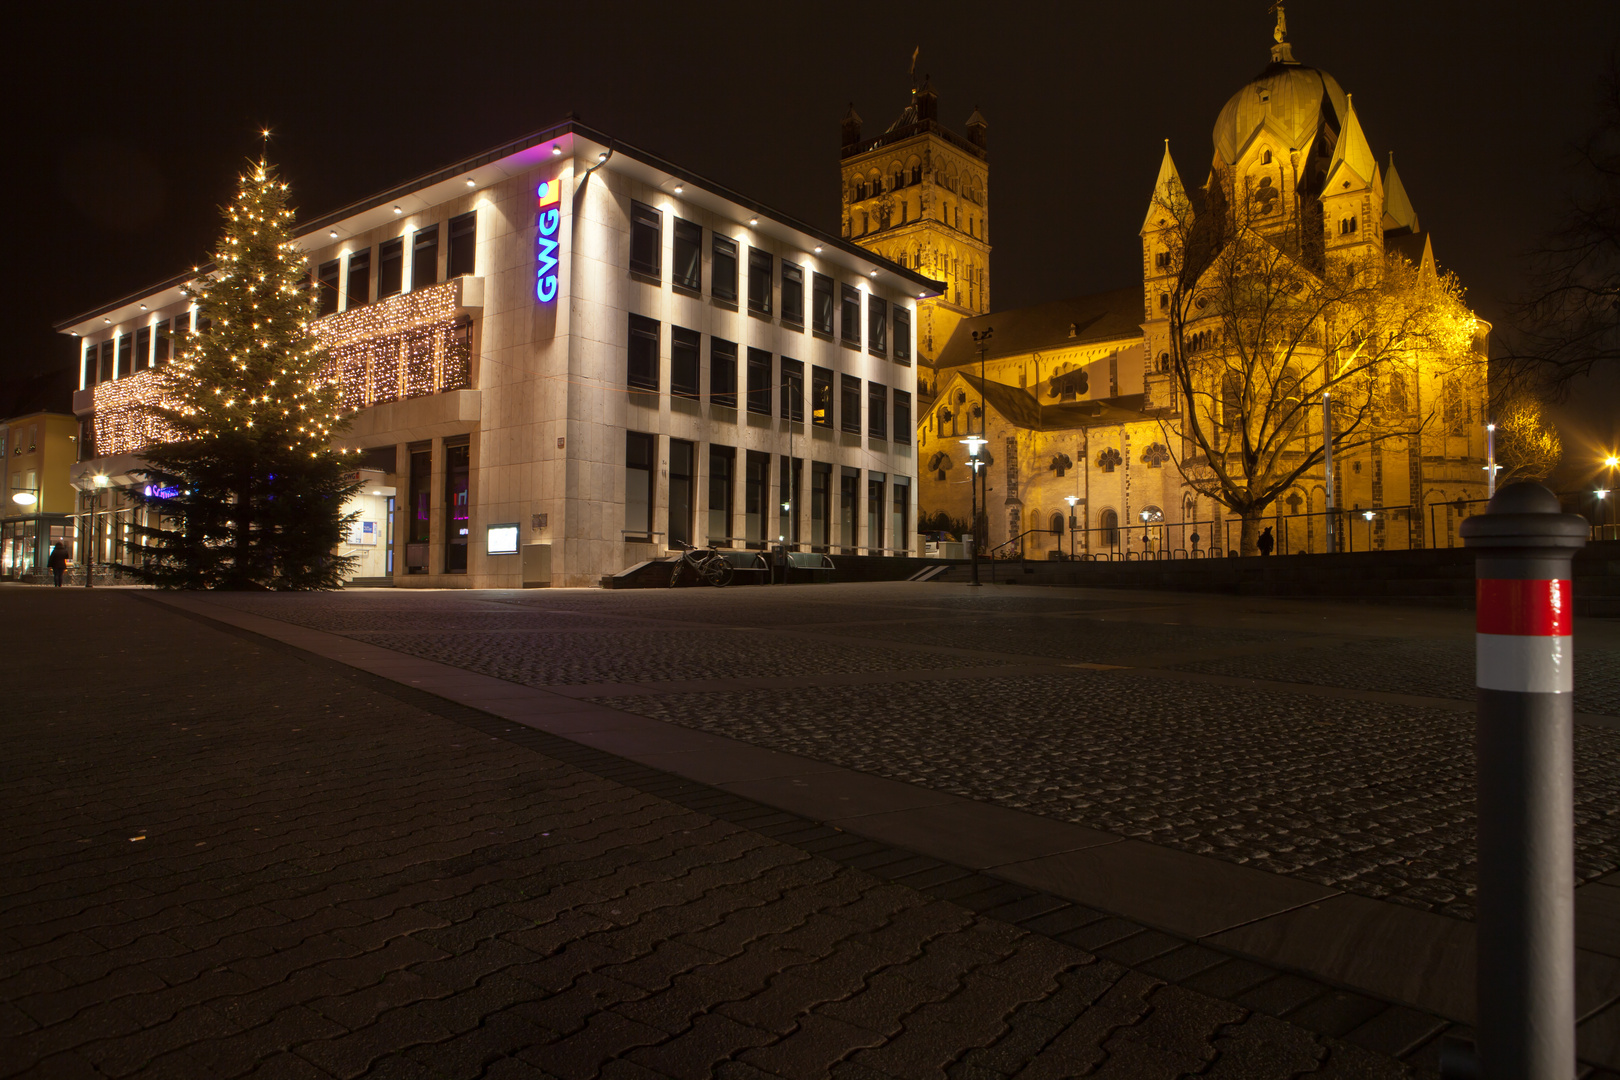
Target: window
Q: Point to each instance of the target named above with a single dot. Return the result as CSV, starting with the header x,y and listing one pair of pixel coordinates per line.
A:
x,y
756,486
877,325
722,478
684,346
902,417
1161,260
821,304
1109,522
326,281
1347,226
639,451
646,239
165,347
760,272
850,326
359,290
821,397
793,294
759,381
457,487
900,530
463,243
874,512
849,508
126,345
107,360
902,335
820,504
724,269
425,257
850,405
143,348
877,410
420,526
642,372
390,267
682,458
792,390
722,373
787,499
687,273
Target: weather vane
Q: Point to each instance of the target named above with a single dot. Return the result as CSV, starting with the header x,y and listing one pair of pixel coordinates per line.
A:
x,y
1281,32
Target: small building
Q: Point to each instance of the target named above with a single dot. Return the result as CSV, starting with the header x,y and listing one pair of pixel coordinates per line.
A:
x,y
38,450
566,355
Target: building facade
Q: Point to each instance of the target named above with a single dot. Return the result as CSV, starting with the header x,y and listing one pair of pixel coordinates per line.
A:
x,y
567,355
1077,399
38,451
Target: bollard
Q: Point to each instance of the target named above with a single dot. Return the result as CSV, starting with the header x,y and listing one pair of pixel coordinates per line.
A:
x,y
1525,936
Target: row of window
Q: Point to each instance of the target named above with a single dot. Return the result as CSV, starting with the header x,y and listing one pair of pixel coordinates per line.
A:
x,y
685,375
646,259
887,503
461,247
145,347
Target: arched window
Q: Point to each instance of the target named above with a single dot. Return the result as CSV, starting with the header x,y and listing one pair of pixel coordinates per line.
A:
x,y
1265,197
1109,521
1347,225
860,190
1055,526
1232,400
1267,159
916,174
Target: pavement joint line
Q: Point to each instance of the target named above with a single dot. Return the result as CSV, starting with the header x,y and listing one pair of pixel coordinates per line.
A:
x,y
944,880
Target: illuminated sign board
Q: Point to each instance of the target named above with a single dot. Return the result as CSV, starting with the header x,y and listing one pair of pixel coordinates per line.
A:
x,y
501,539
545,255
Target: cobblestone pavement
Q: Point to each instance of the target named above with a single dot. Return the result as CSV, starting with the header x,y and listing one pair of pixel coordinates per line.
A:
x,y
1368,796
225,857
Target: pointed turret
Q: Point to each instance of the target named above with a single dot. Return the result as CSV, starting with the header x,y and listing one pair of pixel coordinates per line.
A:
x,y
927,100
1353,152
1166,189
852,126
977,126
1399,217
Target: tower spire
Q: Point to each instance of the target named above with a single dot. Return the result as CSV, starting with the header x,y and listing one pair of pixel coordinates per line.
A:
x,y
1281,52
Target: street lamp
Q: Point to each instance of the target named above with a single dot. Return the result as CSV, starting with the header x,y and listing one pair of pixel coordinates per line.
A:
x,y
973,443
1610,463
1071,500
1490,457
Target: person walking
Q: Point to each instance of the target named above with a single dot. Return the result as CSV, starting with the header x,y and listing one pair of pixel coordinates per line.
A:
x,y
1266,541
58,562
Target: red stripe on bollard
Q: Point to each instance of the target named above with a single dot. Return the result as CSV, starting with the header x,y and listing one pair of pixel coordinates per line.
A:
x,y
1538,608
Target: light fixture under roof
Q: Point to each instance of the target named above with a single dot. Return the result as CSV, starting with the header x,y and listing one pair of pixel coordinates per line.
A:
x,y
873,274
107,321
471,182
818,249
397,210
679,189
332,233
602,156
143,307
922,296
753,221
556,151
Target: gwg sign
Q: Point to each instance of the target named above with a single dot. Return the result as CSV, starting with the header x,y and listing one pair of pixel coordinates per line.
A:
x,y
545,256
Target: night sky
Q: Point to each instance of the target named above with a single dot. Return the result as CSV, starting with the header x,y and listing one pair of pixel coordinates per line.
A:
x,y
136,117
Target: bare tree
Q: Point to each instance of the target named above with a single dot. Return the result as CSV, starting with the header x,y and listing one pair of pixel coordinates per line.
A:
x,y
1570,321
1262,324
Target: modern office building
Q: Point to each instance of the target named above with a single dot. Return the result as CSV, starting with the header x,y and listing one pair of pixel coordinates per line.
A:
x,y
567,355
38,450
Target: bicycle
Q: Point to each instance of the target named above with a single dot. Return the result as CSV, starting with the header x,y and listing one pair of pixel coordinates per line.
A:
x,y
705,565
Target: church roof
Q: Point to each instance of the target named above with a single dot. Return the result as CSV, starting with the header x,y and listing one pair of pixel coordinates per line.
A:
x,y
1292,100
1414,246
1062,323
1021,408
1166,187
1398,212
1352,150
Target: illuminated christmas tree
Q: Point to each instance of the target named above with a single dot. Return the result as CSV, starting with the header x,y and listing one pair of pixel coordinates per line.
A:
x,y
251,493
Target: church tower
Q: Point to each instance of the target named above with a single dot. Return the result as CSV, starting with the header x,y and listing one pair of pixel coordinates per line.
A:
x,y
918,194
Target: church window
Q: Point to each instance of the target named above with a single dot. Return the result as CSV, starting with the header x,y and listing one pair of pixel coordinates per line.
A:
x,y
1161,260
1055,525
860,190
1164,301
1109,460
1347,225
1164,362
1109,521
1265,197
916,174
1266,160
1231,400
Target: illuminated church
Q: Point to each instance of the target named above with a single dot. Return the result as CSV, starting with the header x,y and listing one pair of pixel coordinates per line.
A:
x,y
1076,398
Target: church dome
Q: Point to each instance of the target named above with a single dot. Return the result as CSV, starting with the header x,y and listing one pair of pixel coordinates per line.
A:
x,y
1293,100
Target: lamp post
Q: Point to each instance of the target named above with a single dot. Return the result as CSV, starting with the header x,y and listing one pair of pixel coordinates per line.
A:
x,y
1610,463
973,443
1071,500
981,341
101,482
1602,494
1327,465
1491,459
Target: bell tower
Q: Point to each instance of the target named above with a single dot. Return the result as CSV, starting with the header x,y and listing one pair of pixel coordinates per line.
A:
x,y
918,194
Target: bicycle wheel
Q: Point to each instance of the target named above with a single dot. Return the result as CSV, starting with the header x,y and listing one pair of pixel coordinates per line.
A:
x,y
676,574
718,573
